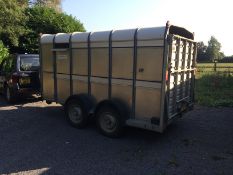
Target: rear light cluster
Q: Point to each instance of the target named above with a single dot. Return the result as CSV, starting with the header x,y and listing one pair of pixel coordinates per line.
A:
x,y
14,78
166,75
167,72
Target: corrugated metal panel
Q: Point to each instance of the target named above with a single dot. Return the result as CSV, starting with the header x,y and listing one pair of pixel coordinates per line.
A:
x,y
151,33
62,38
47,57
147,103
99,62
80,37
123,35
80,61
100,36
122,63
46,38
149,63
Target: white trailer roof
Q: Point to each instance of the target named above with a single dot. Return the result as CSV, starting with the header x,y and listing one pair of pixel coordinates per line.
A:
x,y
80,37
117,35
47,38
62,38
151,33
123,35
100,36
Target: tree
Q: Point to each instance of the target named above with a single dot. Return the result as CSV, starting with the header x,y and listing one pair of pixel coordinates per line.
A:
x,y
45,20
213,49
12,20
3,51
201,52
55,4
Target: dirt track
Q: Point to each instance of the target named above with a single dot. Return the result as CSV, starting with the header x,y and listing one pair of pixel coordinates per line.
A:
x,y
36,139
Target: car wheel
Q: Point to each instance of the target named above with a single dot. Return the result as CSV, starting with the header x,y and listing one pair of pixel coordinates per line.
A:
x,y
110,122
77,113
9,95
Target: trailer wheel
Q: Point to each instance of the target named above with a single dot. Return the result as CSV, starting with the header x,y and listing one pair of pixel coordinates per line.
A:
x,y
77,113
109,121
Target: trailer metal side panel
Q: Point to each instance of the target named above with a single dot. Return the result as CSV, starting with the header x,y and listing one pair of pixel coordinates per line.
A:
x,y
122,89
80,61
99,88
63,62
63,87
99,62
48,86
122,63
147,102
47,56
149,43
80,84
149,63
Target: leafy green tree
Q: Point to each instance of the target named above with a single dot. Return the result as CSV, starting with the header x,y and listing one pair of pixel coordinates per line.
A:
x,y
213,49
12,20
201,52
45,20
55,4
3,51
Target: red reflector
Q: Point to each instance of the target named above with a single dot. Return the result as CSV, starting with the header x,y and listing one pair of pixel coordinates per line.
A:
x,y
166,75
15,79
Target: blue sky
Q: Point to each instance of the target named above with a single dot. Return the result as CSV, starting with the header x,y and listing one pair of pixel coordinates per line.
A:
x,y
204,17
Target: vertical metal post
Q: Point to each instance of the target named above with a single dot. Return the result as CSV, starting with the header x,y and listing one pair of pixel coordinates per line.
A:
x,y
193,71
71,65
89,64
41,68
134,73
166,60
55,70
110,67
183,85
176,71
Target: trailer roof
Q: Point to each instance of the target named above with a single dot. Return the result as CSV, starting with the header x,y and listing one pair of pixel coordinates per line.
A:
x,y
117,35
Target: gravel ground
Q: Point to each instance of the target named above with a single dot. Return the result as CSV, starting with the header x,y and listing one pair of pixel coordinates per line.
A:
x,y
36,139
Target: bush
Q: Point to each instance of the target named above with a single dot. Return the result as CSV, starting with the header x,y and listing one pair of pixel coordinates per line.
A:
x,y
3,51
43,20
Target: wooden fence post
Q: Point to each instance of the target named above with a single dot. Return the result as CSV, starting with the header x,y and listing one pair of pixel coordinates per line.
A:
x,y
215,66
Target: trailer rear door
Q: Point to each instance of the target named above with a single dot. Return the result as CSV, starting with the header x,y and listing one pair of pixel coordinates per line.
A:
x,y
181,74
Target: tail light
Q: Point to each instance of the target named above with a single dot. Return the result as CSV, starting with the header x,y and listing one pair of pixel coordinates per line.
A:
x,y
15,78
166,75
167,72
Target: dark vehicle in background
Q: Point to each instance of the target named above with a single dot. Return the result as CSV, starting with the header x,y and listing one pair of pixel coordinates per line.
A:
x,y
19,76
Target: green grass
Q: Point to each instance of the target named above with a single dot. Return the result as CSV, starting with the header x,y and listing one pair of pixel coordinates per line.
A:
x,y
214,88
212,64
220,67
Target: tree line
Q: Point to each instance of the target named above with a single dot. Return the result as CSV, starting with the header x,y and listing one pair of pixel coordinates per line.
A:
x,y
22,21
211,52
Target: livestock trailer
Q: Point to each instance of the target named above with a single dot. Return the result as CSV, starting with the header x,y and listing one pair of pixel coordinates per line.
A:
x,y
137,77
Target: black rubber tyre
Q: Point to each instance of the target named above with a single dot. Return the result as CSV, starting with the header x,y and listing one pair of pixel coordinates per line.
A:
x,y
77,112
110,122
9,95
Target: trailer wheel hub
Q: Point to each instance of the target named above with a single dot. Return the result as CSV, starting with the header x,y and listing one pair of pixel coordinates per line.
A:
x,y
108,122
75,114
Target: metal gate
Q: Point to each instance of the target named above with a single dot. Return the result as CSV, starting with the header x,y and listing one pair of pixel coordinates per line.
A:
x,y
181,74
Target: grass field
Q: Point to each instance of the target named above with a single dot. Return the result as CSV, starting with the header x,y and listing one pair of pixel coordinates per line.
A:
x,y
212,64
220,67
214,88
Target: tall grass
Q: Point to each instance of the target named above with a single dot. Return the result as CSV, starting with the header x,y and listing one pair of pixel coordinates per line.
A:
x,y
214,88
